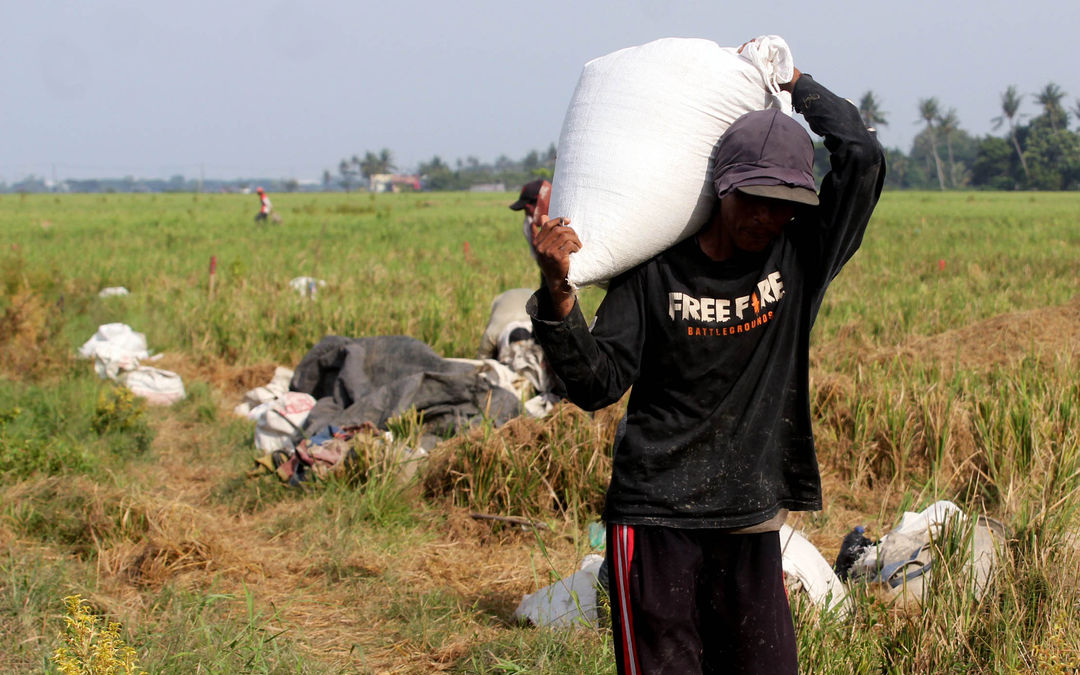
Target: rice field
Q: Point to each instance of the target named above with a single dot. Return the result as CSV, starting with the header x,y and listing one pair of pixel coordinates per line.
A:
x,y
945,365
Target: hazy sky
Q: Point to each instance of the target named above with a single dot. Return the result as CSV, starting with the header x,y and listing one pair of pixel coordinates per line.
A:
x,y
275,89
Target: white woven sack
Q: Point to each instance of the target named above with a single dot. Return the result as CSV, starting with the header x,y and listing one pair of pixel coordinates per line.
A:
x,y
801,559
157,386
117,340
633,168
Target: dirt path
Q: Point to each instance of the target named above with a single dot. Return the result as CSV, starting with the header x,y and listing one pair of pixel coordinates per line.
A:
x,y
337,603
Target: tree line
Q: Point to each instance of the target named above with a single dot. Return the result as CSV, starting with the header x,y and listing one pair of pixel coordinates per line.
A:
x,y
436,174
1034,152
1041,153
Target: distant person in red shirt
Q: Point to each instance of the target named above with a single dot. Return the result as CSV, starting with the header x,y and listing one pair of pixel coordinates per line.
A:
x,y
264,206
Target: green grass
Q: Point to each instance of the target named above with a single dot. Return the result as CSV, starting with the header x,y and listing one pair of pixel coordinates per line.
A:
x,y
79,425
375,575
1003,252
394,265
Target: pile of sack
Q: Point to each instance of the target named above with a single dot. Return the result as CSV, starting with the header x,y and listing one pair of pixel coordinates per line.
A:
x,y
902,563
508,351
344,385
118,350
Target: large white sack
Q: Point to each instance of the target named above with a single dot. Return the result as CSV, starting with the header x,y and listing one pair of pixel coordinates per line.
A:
x,y
276,388
157,386
633,168
115,348
116,340
507,307
804,562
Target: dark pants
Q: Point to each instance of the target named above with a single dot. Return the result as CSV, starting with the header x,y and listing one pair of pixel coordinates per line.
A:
x,y
698,601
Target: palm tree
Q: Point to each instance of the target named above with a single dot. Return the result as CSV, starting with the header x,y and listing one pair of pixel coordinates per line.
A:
x,y
1010,109
369,166
1050,99
929,111
386,161
949,124
870,110
1076,109
346,171
374,164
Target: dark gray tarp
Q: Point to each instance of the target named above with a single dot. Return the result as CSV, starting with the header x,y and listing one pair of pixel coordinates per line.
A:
x,y
373,379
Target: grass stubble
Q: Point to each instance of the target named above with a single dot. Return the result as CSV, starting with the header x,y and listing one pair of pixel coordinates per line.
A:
x,y
955,381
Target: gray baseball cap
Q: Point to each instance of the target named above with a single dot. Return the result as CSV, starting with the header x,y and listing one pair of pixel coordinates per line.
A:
x,y
767,154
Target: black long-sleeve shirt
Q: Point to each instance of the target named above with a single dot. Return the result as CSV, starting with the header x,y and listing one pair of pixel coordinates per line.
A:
x,y
718,430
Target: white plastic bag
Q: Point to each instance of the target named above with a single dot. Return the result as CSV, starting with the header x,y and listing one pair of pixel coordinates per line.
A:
x,y
307,287
568,602
802,561
276,388
507,307
633,172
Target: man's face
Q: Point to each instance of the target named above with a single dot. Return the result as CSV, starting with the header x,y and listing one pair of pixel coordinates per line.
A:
x,y
752,223
530,207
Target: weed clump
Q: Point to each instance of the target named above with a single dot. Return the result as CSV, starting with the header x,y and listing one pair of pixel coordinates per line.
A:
x,y
1055,654
31,344
22,453
75,513
91,648
556,467
119,412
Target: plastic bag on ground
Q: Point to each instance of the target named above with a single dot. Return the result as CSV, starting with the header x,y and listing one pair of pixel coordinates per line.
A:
x,y
507,307
807,570
276,388
307,287
902,562
568,602
117,350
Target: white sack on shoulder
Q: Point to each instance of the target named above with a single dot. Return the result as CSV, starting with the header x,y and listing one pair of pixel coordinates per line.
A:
x,y
633,172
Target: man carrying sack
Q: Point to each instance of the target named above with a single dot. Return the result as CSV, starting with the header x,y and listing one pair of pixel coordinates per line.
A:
x,y
713,335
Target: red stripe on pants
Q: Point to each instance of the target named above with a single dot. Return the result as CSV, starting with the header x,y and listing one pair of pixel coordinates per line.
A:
x,y
624,554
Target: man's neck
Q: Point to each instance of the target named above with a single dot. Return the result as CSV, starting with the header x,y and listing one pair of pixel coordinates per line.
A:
x,y
714,243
